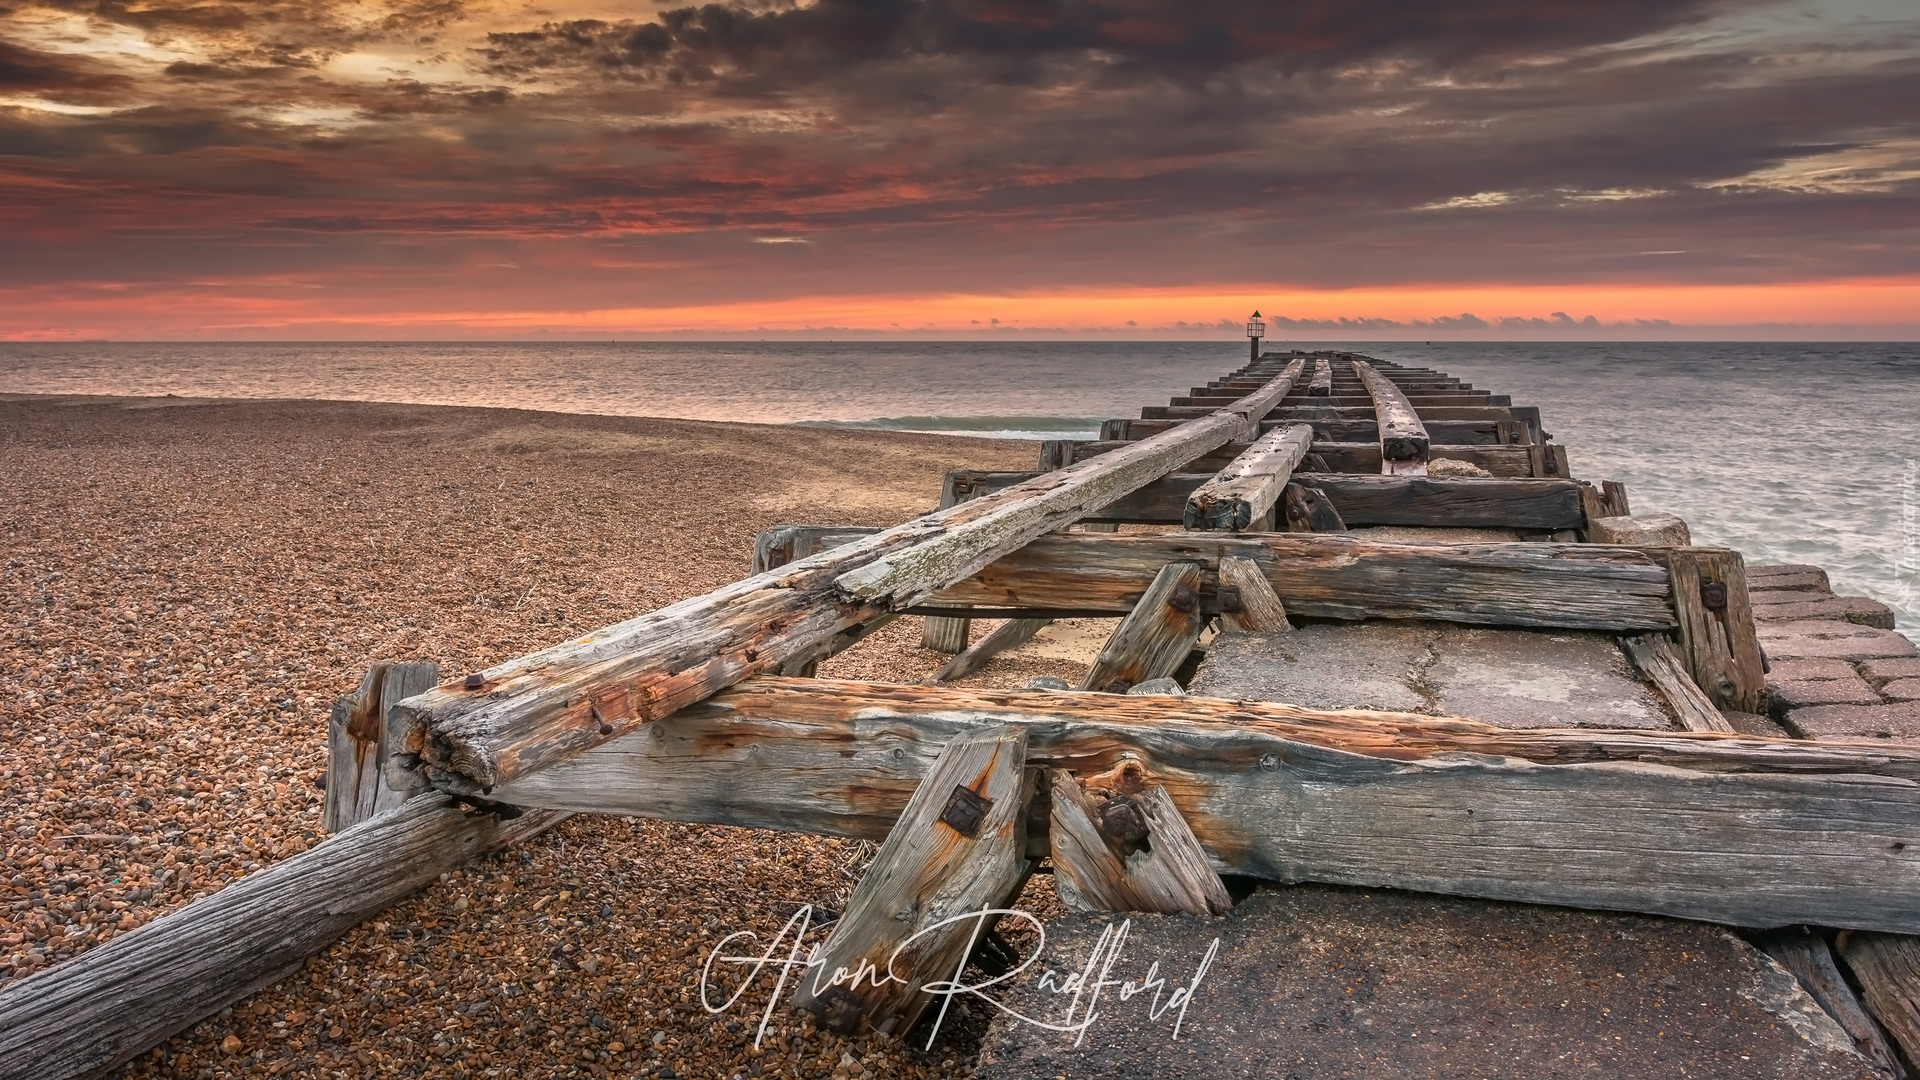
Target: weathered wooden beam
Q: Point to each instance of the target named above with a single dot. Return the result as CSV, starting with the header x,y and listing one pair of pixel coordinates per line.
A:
x,y
1811,962
1155,637
938,633
1363,458
1321,385
1307,509
1442,432
1247,602
520,715
1008,635
777,547
1653,655
1335,576
1724,828
357,745
1888,967
1404,445
1245,492
1162,502
117,1000
1464,502
1715,617
959,847
1131,851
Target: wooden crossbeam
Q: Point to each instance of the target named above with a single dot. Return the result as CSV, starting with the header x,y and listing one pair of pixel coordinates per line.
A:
x,y
471,735
1724,828
1242,495
1008,635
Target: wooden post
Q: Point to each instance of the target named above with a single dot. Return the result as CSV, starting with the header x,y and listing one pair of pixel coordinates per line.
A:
x,y
938,633
1616,496
1654,656
117,1000
357,745
1009,634
1155,637
1717,635
1247,601
1129,852
1811,962
1307,509
1888,967
959,847
1244,493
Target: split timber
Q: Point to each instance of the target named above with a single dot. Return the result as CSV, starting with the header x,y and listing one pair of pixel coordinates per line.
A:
x,y
1253,482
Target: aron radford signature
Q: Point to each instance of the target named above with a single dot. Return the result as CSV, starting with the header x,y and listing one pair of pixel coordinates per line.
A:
x,y
1080,992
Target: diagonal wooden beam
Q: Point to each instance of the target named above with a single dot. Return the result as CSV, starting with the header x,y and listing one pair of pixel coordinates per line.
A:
x,y
470,735
1155,637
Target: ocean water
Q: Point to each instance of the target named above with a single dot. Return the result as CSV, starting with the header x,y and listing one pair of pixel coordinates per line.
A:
x,y
1788,452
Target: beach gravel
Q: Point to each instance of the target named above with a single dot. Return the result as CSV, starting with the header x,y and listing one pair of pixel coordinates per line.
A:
x,y
188,586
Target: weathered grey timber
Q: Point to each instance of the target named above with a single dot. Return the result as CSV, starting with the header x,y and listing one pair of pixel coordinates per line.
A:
x,y
938,633
1888,967
1162,502
1020,513
1717,634
1512,461
1811,961
959,847
1155,637
357,741
551,704
1130,852
1700,825
119,999
1404,446
1653,654
1007,635
1247,602
1442,432
774,548
1307,509
1336,576
1450,501
1245,491
1321,385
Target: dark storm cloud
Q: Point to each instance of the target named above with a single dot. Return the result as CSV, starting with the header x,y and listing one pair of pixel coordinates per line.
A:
x,y
23,69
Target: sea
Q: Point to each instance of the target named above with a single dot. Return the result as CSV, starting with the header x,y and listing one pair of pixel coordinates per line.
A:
x,y
1789,452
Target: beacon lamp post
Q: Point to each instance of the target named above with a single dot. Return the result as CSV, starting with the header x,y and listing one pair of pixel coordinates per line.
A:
x,y
1255,331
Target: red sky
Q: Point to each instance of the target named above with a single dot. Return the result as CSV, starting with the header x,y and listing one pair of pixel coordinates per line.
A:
x,y
1354,168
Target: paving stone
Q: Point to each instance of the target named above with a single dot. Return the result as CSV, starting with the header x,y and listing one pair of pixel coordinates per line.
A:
x,y
1830,638
1902,690
1810,670
1895,720
1853,609
1754,724
1513,678
1788,694
1317,982
1899,667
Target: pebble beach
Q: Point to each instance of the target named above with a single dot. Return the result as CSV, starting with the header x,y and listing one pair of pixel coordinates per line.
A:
x,y
189,584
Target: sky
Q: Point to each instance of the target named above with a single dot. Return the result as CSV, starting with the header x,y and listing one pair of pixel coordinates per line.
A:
x,y
1353,168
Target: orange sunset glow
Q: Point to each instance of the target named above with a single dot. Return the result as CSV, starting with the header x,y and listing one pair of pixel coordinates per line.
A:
x,y
1372,169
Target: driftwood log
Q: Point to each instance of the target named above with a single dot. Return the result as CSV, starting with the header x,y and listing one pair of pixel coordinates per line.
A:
x,y
1722,828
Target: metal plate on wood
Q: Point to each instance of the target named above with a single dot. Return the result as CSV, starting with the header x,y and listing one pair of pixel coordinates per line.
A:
x,y
965,810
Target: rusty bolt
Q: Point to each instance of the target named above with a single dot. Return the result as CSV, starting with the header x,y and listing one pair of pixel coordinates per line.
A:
x,y
1230,599
1122,820
1183,598
475,681
1119,686
1714,595
605,728
966,810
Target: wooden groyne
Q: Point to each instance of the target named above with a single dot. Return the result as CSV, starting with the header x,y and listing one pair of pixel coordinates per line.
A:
x,y
1253,505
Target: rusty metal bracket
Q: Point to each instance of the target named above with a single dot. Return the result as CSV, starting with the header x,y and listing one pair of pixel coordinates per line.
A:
x,y
965,811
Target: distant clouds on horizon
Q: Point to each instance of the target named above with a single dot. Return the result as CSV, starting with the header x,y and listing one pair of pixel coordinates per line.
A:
x,y
438,163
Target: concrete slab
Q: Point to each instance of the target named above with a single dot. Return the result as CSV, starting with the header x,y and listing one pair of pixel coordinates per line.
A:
x,y
1513,678
1788,576
1906,667
1310,982
1817,638
1894,720
1853,609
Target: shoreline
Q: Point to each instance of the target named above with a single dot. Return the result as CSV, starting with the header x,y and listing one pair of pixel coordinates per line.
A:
x,y
189,588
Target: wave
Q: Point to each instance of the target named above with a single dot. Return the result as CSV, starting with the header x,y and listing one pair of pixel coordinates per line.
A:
x,y
983,427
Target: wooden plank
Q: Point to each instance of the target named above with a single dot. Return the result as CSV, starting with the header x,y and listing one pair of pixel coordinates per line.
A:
x,y
1306,508
117,1000
1404,445
1007,635
1715,622
1653,655
958,847
1750,832
1464,502
1155,637
1888,967
1244,493
357,740
536,709
1811,962
1131,851
1247,602
1335,576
